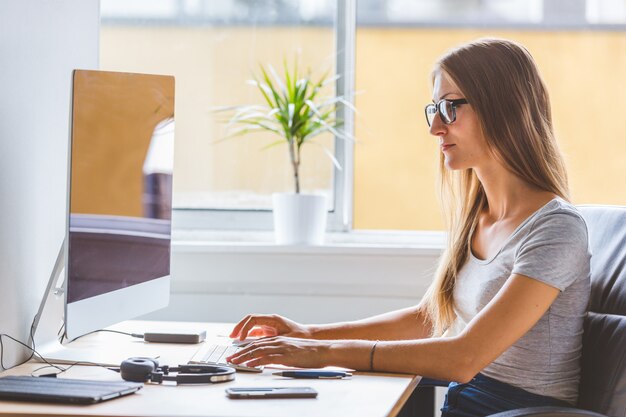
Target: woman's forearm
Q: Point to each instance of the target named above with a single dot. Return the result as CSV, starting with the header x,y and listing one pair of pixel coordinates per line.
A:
x,y
408,323
435,357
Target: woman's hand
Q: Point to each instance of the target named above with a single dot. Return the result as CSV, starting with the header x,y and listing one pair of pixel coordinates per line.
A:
x,y
302,353
268,325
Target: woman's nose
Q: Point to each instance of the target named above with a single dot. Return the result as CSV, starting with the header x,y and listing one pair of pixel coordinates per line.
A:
x,y
437,127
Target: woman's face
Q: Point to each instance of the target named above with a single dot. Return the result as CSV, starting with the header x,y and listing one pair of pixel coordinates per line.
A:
x,y
462,142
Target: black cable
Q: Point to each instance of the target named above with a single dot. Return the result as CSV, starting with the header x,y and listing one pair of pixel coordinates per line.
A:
x,y
61,332
1,354
137,335
32,349
23,344
61,370
34,352
48,364
32,341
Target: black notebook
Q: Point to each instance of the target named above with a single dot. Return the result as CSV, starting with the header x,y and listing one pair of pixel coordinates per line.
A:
x,y
61,390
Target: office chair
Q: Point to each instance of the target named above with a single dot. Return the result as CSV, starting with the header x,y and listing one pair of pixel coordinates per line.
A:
x,y
603,378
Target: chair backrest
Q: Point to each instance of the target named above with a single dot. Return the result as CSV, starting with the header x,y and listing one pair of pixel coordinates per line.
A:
x,y
603,381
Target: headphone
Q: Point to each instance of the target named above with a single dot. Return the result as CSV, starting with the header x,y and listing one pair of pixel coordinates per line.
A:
x,y
148,370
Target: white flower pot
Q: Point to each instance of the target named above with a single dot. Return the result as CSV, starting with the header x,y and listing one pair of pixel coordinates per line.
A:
x,y
299,219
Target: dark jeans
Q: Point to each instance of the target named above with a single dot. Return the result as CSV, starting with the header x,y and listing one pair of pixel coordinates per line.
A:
x,y
483,396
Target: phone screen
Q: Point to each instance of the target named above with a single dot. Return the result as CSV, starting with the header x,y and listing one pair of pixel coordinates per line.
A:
x,y
271,392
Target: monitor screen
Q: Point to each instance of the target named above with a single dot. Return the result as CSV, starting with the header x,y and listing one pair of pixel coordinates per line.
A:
x,y
120,198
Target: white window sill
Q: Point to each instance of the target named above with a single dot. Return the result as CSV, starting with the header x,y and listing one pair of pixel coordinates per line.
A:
x,y
361,265
366,242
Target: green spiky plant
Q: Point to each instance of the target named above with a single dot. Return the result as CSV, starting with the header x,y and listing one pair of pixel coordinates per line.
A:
x,y
293,111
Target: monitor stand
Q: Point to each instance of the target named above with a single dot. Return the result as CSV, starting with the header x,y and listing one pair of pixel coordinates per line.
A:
x,y
48,328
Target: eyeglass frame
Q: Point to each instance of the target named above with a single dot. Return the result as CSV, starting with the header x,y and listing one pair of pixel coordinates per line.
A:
x,y
454,103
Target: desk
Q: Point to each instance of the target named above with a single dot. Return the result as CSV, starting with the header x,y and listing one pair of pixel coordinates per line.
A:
x,y
364,395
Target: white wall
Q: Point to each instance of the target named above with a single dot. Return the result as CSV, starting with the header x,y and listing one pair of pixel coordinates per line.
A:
x,y
41,41
311,285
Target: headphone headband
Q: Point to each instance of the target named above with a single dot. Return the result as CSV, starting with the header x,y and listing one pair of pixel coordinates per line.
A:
x,y
148,370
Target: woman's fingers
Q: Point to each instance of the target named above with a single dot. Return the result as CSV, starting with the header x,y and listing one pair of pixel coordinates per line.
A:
x,y
249,325
241,329
262,331
238,326
267,325
265,321
243,353
272,359
254,351
282,350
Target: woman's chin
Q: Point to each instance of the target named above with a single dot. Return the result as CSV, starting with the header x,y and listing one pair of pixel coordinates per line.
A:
x,y
452,164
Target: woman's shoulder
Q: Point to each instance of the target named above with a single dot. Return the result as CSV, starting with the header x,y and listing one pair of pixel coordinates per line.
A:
x,y
559,214
560,204
558,223
555,247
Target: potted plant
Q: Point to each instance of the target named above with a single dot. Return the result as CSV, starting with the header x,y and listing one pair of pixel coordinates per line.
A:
x,y
294,111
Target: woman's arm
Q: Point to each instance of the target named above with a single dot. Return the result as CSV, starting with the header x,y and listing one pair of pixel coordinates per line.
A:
x,y
407,323
516,308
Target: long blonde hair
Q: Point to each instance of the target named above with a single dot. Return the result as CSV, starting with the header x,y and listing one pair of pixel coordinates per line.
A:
x,y
500,80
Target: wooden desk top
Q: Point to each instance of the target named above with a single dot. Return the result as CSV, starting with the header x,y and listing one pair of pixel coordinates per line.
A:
x,y
365,394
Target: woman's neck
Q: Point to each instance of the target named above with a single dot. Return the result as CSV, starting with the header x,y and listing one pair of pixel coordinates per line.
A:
x,y
509,195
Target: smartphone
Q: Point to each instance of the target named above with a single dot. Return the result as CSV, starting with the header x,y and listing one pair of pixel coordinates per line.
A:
x,y
271,392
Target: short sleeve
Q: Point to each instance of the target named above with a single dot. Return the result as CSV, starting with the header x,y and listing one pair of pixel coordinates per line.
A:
x,y
555,250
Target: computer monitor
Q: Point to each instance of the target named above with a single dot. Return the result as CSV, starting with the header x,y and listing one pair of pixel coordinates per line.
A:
x,y
118,235
120,198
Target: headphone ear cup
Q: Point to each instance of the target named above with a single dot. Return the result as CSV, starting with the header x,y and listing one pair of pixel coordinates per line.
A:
x,y
138,369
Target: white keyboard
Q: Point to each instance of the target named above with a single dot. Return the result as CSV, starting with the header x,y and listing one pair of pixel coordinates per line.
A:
x,y
212,354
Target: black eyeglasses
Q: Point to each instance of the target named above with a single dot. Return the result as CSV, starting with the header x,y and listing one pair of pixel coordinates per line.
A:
x,y
446,109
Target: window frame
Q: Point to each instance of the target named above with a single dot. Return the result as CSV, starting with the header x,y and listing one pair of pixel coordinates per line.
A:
x,y
340,218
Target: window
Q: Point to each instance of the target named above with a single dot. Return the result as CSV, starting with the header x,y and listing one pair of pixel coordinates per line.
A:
x,y
397,43
606,12
213,47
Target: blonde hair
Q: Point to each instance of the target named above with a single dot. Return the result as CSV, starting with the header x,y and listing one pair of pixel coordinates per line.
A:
x,y
500,80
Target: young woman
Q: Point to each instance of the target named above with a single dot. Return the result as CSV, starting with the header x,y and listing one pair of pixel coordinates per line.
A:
x,y
504,315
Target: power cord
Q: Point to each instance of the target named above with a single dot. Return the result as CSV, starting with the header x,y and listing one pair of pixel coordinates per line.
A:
x,y
61,369
137,335
33,353
17,341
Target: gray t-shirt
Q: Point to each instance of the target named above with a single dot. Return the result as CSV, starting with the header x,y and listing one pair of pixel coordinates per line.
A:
x,y
550,246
